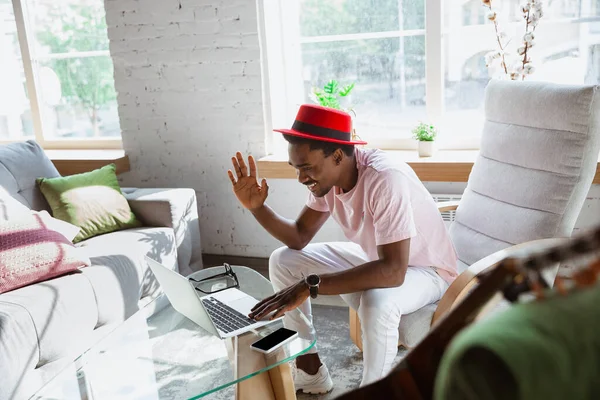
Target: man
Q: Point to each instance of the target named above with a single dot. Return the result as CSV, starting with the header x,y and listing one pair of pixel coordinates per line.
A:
x,y
399,258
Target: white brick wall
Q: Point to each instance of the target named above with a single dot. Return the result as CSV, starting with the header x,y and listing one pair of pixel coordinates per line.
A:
x,y
187,73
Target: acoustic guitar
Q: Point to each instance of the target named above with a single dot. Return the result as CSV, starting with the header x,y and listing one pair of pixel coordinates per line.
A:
x,y
414,376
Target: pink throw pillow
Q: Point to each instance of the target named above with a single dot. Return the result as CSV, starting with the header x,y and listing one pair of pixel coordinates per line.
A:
x,y
31,251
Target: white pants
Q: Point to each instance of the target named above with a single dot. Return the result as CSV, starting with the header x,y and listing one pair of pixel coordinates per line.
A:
x,y
379,310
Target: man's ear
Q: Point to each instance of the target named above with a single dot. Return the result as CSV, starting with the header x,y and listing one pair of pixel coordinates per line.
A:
x,y
338,156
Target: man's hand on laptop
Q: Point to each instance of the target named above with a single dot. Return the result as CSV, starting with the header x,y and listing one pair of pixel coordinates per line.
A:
x,y
281,302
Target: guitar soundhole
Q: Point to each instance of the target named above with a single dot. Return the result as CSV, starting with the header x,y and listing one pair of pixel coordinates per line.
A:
x,y
554,255
530,263
582,246
597,236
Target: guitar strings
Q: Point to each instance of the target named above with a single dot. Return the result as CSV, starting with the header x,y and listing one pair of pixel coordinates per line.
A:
x,y
581,253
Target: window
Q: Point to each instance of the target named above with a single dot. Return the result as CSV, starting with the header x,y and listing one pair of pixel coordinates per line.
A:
x,y
55,63
415,60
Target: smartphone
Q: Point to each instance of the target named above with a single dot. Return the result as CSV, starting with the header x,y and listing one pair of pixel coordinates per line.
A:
x,y
274,340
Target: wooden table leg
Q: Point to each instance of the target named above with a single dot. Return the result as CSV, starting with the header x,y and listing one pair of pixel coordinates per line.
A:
x,y
257,387
275,384
282,382
355,329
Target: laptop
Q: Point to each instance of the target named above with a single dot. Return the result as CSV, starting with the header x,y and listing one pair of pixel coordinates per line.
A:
x,y
223,314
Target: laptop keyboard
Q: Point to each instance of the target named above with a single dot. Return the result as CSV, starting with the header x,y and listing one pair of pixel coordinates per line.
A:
x,y
224,317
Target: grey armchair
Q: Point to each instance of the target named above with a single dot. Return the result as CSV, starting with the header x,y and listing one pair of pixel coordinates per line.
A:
x,y
538,157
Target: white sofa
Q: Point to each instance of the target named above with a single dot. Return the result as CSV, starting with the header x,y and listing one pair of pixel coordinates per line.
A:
x,y
45,325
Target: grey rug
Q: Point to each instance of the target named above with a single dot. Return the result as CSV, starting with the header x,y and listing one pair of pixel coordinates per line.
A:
x,y
342,357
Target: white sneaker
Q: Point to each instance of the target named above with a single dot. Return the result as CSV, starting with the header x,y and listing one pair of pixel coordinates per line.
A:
x,y
320,383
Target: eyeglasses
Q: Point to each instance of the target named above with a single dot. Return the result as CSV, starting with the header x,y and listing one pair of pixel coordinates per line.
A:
x,y
225,280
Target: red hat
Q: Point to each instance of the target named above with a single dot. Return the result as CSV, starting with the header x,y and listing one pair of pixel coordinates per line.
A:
x,y
322,123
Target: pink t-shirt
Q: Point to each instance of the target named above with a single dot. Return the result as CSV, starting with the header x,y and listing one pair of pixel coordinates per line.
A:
x,y
389,204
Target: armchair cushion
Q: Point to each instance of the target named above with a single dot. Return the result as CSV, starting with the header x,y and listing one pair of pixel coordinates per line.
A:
x,y
414,326
538,156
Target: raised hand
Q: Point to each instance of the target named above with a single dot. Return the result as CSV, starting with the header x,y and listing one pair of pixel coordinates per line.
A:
x,y
246,188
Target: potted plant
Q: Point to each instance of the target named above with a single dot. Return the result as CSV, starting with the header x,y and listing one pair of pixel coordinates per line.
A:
x,y
330,96
425,134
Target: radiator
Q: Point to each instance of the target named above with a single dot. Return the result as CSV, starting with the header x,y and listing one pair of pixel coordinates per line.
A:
x,y
447,216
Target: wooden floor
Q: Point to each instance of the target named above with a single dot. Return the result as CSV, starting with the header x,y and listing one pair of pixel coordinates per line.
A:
x,y
258,264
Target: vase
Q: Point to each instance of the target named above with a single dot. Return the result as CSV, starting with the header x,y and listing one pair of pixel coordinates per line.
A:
x,y
426,149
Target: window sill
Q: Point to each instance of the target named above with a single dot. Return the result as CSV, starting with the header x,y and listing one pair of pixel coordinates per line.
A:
x,y
444,166
69,162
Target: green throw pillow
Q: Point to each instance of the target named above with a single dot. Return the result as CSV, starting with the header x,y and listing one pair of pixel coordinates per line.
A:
x,y
93,201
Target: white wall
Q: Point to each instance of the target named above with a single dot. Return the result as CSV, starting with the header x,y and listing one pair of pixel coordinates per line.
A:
x,y
190,95
187,73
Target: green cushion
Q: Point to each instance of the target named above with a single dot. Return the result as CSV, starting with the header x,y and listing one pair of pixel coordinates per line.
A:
x,y
93,201
545,349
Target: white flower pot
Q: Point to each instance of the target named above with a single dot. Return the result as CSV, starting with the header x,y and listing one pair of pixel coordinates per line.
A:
x,y
426,149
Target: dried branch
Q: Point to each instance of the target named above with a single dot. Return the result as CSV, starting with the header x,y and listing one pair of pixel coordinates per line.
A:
x,y
532,12
526,43
495,20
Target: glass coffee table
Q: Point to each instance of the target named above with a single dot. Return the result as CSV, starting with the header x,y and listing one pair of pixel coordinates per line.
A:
x,y
163,355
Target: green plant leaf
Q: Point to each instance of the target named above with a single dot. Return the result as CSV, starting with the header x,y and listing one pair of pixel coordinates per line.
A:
x,y
330,94
331,87
334,103
424,132
319,96
346,90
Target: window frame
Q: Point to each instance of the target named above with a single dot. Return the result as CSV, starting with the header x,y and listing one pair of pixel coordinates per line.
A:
x,y
280,61
32,82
